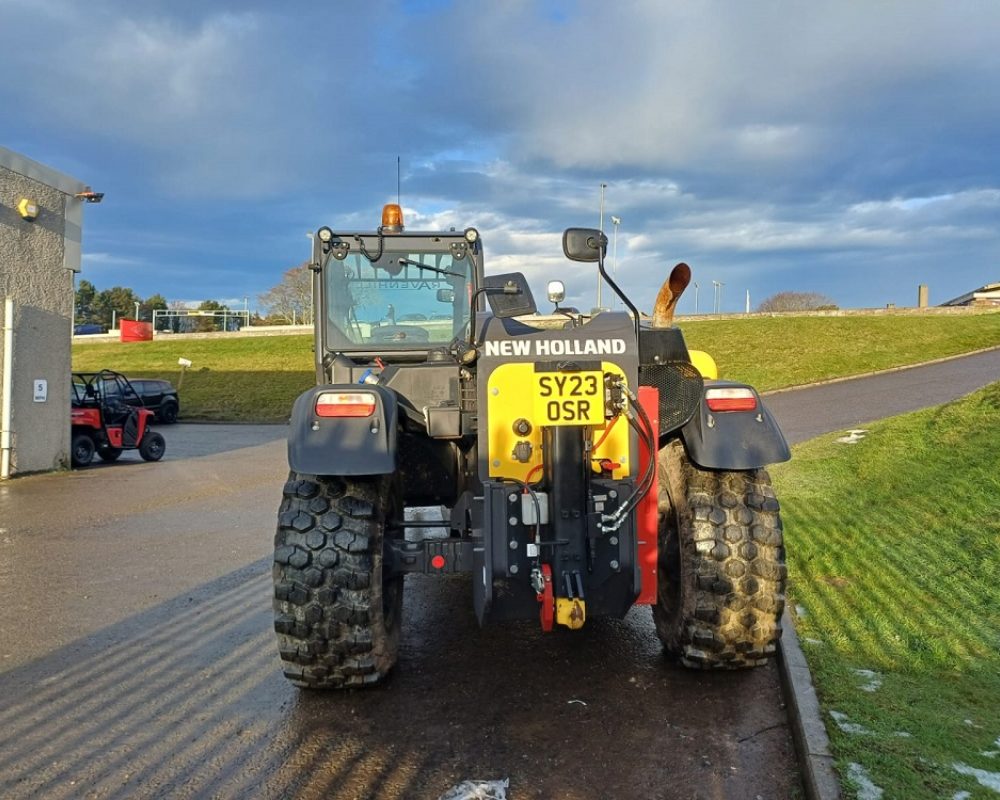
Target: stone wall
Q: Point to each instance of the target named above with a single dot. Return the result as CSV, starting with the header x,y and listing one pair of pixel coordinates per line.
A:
x,y
33,272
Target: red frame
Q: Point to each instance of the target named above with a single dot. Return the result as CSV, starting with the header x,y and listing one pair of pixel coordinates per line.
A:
x,y
647,516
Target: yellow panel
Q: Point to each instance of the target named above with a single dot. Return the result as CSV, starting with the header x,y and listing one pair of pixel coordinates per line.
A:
x,y
705,364
509,397
571,613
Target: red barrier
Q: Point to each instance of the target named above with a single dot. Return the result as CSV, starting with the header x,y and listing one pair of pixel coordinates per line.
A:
x,y
132,331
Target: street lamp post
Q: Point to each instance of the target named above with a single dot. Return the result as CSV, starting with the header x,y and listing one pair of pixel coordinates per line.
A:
x,y
716,296
696,297
136,310
616,221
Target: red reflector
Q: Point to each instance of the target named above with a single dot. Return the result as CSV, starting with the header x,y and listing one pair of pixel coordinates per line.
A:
x,y
345,404
730,399
437,562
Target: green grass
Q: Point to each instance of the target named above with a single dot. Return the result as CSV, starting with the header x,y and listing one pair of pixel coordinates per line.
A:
x,y
257,379
894,559
251,379
776,352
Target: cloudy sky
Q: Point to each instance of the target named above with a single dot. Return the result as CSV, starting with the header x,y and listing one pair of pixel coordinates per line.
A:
x,y
846,148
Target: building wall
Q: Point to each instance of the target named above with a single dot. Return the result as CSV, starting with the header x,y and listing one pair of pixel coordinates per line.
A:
x,y
34,273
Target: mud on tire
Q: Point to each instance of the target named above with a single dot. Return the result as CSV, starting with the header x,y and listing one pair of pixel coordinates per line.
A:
x,y
337,620
721,576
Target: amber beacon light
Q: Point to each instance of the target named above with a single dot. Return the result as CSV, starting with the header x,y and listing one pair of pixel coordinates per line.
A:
x,y
392,217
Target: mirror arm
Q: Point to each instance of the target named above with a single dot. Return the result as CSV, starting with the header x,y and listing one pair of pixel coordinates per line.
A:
x,y
619,292
472,320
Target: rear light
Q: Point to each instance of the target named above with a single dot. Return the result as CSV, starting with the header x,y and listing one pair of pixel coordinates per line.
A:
x,y
345,404
730,399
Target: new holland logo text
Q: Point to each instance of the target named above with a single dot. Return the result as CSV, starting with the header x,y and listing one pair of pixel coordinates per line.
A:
x,y
555,347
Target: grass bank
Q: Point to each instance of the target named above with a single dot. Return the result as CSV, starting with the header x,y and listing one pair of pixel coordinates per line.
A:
x,y
247,379
894,564
776,352
258,378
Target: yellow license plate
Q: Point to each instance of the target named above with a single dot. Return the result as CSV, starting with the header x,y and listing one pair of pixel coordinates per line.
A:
x,y
569,398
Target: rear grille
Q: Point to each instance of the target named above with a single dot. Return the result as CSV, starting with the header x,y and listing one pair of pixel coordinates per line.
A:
x,y
467,396
680,386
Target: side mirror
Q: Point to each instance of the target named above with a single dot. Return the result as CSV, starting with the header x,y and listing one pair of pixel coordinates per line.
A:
x,y
446,295
508,295
556,291
584,244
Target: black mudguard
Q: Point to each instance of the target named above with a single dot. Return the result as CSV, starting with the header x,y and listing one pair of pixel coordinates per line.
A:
x,y
734,440
343,445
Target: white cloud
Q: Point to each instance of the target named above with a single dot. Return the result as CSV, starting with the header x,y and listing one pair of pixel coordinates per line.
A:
x,y
758,142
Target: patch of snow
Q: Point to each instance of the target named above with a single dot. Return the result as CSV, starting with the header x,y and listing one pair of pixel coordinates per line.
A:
x,y
874,680
903,735
853,437
991,780
990,753
812,641
866,789
971,724
961,796
800,611
845,724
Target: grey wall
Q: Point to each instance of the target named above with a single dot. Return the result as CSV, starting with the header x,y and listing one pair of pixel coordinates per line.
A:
x,y
33,271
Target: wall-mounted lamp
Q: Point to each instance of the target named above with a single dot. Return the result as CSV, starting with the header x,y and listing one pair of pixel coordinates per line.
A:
x,y
90,196
28,209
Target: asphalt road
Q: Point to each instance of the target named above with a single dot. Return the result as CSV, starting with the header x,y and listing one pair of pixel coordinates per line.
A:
x,y
805,413
137,658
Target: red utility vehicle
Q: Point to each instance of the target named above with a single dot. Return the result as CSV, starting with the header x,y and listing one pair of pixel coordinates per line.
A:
x,y
103,422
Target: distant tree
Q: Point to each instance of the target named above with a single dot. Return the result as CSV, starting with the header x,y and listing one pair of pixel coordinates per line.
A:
x,y
291,300
155,302
797,301
209,323
85,304
115,303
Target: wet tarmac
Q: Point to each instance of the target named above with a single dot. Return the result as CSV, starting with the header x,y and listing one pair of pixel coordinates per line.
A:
x,y
137,658
138,661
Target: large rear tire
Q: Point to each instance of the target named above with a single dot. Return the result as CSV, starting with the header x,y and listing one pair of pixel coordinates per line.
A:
x,y
721,577
336,614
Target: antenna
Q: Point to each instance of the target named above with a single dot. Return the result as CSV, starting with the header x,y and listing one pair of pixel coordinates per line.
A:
x,y
397,182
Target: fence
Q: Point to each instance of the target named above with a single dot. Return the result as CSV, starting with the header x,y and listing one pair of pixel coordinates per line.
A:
x,y
198,321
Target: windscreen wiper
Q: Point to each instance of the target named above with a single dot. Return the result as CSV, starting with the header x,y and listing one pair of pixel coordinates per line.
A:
x,y
428,266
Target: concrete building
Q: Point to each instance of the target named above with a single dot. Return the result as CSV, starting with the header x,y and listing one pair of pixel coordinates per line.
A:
x,y
986,296
40,226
